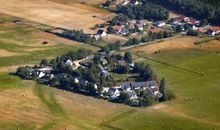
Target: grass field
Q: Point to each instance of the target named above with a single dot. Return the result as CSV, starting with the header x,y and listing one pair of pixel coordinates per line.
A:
x,y
53,13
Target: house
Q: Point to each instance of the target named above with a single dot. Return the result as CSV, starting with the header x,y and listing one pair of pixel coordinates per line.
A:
x,y
132,95
41,72
159,23
193,22
127,86
140,27
101,33
155,30
143,22
184,18
124,32
117,29
122,62
69,62
135,2
114,93
104,61
214,30
125,2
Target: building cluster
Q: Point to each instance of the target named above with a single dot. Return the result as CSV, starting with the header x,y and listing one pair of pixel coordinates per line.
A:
x,y
194,24
131,88
46,74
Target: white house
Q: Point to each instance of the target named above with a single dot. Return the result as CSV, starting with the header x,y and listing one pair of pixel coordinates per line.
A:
x,y
114,93
102,33
69,62
159,24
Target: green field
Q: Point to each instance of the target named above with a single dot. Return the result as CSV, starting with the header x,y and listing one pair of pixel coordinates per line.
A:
x,y
197,103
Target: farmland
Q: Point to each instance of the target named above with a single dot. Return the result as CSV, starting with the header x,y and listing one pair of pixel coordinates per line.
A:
x,y
71,16
192,72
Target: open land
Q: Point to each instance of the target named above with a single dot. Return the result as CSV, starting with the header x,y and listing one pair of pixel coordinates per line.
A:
x,y
192,72
71,16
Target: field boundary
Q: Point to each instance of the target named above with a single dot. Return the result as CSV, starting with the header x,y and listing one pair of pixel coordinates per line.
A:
x,y
116,118
164,63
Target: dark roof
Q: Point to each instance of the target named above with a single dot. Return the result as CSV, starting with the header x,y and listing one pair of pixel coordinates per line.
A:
x,y
100,31
138,85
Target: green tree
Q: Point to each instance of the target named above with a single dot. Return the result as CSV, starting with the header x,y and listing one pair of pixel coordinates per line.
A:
x,y
124,98
110,30
128,57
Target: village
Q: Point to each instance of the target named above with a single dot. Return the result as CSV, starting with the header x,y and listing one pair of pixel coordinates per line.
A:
x,y
126,27
45,73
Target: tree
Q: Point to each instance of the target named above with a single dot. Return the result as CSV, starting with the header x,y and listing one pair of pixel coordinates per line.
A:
x,y
110,30
162,89
203,22
124,98
23,73
128,57
146,101
44,62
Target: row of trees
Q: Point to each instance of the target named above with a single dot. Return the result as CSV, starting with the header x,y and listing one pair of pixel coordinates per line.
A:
x,y
150,37
113,46
145,11
201,9
76,35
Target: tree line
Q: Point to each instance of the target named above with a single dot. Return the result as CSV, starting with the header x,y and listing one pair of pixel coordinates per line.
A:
x,y
201,9
145,11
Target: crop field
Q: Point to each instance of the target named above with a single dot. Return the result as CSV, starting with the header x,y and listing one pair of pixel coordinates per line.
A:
x,y
90,2
69,16
22,44
179,43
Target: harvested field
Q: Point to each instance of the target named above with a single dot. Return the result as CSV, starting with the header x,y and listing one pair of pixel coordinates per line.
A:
x,y
74,16
23,107
180,43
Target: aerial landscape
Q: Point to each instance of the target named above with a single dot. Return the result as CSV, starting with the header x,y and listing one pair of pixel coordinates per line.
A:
x,y
109,65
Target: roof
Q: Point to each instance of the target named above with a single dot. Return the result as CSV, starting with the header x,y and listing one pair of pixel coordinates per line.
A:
x,y
122,62
117,28
214,29
155,30
137,85
100,31
193,21
182,17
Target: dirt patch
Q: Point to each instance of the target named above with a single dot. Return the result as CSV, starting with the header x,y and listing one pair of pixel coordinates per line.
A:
x,y
5,53
76,16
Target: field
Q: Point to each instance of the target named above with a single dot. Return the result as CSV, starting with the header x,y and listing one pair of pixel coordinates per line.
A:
x,y
53,13
192,72
179,43
22,44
